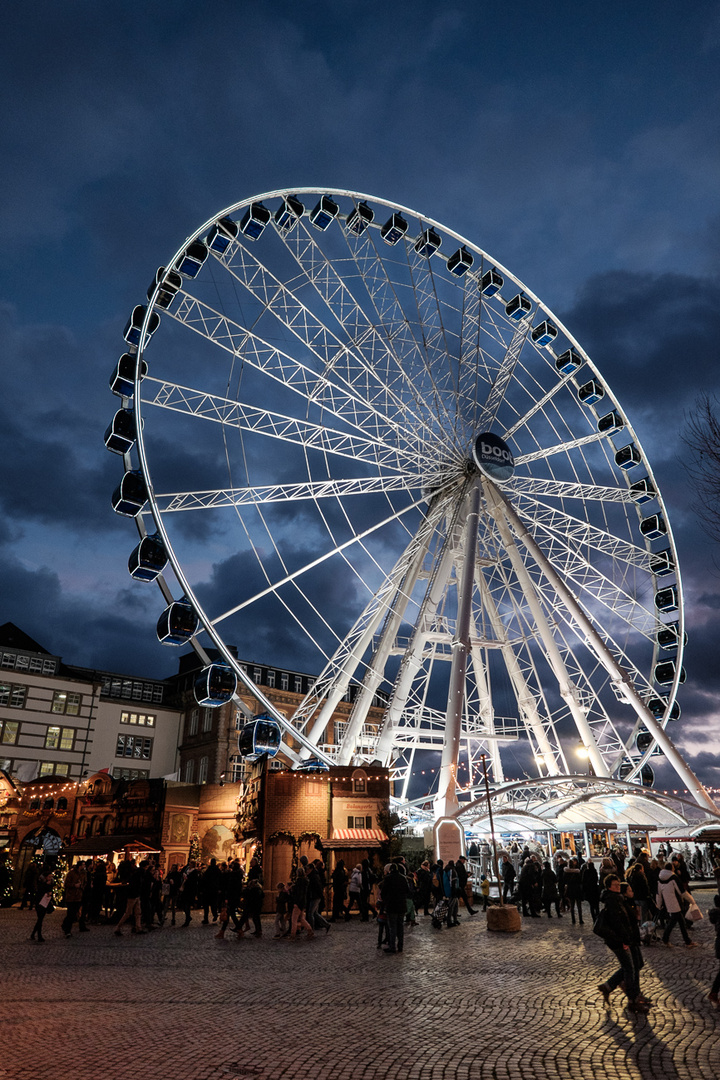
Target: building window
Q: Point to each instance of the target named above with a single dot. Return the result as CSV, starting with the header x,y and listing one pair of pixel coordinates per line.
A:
x,y
271,679
8,660
207,719
133,746
62,803
130,774
189,771
22,663
203,770
9,731
13,695
298,684
67,703
359,823
194,720
359,785
284,680
59,768
257,675
143,719
60,738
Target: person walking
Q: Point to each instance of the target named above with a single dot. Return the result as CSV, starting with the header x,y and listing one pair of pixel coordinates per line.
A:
x,y
75,881
42,902
550,894
573,880
463,876
188,889
299,893
714,917
133,908
669,898
591,888
393,893
507,872
339,888
316,891
424,881
613,926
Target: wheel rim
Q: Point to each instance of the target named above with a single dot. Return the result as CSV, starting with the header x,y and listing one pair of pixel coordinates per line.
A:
x,y
373,368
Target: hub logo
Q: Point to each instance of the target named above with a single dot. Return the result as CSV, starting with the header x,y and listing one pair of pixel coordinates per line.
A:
x,y
493,457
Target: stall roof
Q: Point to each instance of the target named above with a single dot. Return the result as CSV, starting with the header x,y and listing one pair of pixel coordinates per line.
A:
x,y
358,838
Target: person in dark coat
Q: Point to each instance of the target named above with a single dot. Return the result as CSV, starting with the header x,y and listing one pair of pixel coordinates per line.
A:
x,y
368,880
526,887
507,872
550,894
210,891
187,893
573,881
591,888
253,898
618,936
714,917
462,875
339,887
42,902
424,882
298,895
30,882
394,893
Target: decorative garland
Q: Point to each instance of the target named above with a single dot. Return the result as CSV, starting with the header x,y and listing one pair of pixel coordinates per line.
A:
x,y
310,836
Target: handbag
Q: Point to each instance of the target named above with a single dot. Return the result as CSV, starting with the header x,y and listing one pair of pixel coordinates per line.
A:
x,y
601,925
694,914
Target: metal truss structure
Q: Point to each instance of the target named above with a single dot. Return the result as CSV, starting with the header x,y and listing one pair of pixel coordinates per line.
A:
x,y
326,364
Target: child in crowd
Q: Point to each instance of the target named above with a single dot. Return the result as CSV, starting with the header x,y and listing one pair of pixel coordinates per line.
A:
x,y
485,890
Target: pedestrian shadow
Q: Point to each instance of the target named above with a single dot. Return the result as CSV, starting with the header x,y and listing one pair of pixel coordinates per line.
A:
x,y
641,1046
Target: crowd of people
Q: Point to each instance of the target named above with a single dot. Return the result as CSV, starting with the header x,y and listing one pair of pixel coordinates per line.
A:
x,y
627,904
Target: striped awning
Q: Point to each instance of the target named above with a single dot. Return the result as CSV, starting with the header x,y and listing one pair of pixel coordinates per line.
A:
x,y
376,836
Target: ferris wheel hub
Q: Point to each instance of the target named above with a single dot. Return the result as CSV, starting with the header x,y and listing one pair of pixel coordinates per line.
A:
x,y
493,456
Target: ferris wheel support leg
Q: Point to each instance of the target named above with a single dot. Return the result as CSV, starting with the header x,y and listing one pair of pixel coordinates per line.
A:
x,y
621,679
527,705
504,517
412,660
485,708
446,801
394,613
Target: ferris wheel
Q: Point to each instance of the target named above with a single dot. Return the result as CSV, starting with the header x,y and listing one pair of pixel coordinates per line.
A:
x,y
355,442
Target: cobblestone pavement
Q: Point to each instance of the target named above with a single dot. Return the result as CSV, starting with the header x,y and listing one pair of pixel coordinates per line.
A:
x,y
458,1003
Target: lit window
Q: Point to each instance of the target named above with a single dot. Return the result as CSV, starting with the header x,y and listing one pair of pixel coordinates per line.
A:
x,y
143,719
203,770
58,738
47,768
9,729
65,702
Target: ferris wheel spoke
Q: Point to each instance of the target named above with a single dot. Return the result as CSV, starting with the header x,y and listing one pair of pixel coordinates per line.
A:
x,y
171,502
385,353
319,561
504,375
539,405
344,402
249,418
339,360
537,487
436,347
581,532
559,448
387,606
